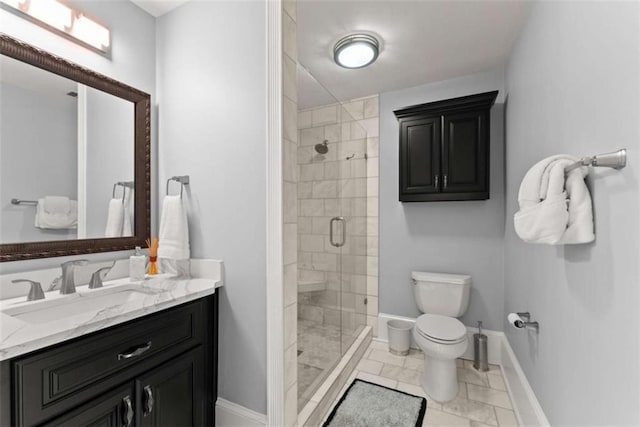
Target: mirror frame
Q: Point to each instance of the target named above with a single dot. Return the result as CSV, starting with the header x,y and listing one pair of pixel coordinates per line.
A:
x,y
32,55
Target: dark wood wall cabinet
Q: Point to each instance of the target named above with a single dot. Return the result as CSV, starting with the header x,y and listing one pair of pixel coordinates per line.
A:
x,y
159,370
444,149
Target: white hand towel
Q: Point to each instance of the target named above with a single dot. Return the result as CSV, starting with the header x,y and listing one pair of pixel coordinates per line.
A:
x,y
173,239
547,213
115,218
127,224
57,205
59,216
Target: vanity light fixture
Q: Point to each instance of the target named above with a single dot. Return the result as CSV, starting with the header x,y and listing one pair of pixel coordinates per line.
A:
x,y
356,51
56,16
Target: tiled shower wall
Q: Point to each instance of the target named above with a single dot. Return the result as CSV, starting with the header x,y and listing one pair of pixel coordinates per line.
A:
x,y
289,209
332,185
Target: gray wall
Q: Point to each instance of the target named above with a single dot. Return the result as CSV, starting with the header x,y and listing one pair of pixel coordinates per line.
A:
x,y
211,91
132,61
573,87
35,161
449,237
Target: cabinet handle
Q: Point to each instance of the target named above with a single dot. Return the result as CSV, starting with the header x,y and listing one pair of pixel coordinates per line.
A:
x,y
127,415
445,180
135,352
148,400
436,179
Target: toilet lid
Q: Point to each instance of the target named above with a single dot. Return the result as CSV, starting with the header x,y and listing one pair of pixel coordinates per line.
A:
x,y
441,328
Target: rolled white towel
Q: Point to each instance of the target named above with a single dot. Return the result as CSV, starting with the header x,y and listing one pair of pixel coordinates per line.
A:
x,y
549,214
115,218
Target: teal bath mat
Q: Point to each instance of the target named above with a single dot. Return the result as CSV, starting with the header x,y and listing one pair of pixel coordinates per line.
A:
x,y
365,404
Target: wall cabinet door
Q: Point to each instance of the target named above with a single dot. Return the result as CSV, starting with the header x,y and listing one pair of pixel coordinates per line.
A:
x,y
174,393
420,157
112,409
464,153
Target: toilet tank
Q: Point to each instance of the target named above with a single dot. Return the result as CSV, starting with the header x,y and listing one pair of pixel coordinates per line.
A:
x,y
439,293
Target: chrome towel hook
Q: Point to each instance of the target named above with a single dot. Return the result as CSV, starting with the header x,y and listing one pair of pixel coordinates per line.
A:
x,y
182,179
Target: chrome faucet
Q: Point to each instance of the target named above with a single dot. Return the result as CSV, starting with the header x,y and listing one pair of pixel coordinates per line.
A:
x,y
35,293
97,276
68,283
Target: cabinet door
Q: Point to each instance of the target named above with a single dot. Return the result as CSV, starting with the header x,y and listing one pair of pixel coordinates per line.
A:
x,y
112,409
419,157
465,154
174,393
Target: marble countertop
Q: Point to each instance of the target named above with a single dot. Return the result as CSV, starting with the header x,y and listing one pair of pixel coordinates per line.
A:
x,y
18,337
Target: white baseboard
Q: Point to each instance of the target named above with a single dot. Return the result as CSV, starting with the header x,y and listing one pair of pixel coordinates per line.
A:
x,y
229,414
526,405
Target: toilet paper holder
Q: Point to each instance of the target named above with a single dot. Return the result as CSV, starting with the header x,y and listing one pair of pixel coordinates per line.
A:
x,y
522,320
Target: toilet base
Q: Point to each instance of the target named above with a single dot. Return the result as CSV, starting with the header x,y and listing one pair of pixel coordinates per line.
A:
x,y
440,378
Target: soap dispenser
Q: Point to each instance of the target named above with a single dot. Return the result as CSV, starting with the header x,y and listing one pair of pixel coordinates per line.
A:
x,y
137,265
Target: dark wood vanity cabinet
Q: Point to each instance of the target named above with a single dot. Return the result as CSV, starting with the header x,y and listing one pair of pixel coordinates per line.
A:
x,y
444,149
159,370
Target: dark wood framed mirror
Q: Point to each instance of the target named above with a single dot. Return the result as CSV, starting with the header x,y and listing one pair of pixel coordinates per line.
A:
x,y
141,162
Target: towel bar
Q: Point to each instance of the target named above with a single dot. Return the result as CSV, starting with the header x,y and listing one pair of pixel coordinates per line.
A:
x,y
615,160
182,179
23,202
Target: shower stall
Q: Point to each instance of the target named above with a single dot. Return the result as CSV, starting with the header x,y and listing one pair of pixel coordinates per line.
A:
x,y
333,245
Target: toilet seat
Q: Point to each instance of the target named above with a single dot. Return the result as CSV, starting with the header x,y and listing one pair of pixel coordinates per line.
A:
x,y
441,329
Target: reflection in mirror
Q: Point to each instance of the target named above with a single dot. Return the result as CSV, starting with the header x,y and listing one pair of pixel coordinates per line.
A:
x,y
64,147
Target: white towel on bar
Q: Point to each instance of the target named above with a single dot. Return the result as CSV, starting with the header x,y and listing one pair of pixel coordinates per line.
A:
x,y
173,238
127,223
115,218
56,212
554,209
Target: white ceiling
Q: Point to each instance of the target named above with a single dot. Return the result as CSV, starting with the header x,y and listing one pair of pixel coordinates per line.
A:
x,y
158,7
422,41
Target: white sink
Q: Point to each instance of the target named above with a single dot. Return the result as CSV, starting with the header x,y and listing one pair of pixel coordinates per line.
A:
x,y
55,306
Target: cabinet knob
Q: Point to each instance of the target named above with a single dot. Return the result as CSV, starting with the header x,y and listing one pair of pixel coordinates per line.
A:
x,y
436,178
445,180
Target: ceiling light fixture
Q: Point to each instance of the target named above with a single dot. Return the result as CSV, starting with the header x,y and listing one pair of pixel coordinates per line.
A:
x,y
62,19
356,51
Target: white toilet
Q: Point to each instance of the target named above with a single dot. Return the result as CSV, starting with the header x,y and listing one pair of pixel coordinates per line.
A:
x,y
442,337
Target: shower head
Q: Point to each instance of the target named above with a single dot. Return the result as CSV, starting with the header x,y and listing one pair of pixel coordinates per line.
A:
x,y
322,148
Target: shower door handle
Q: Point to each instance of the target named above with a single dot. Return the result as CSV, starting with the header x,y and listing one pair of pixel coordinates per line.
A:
x,y
344,231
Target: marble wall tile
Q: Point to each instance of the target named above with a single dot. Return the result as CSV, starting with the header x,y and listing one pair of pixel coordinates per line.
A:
x,y
304,119
371,107
291,406
324,116
373,146
353,110
372,206
332,133
311,172
289,80
325,262
290,202
290,365
306,274
311,243
311,136
289,42
372,306
372,285
324,189
311,313
305,189
290,317
372,167
289,166
311,207
290,238
290,284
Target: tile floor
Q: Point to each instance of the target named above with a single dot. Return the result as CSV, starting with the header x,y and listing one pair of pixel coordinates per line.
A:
x,y
482,399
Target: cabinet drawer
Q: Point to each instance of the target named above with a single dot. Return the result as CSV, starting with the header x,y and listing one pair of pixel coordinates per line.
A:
x,y
58,378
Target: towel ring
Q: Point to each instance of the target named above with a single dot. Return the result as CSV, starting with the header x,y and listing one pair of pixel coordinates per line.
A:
x,y
183,180
124,185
